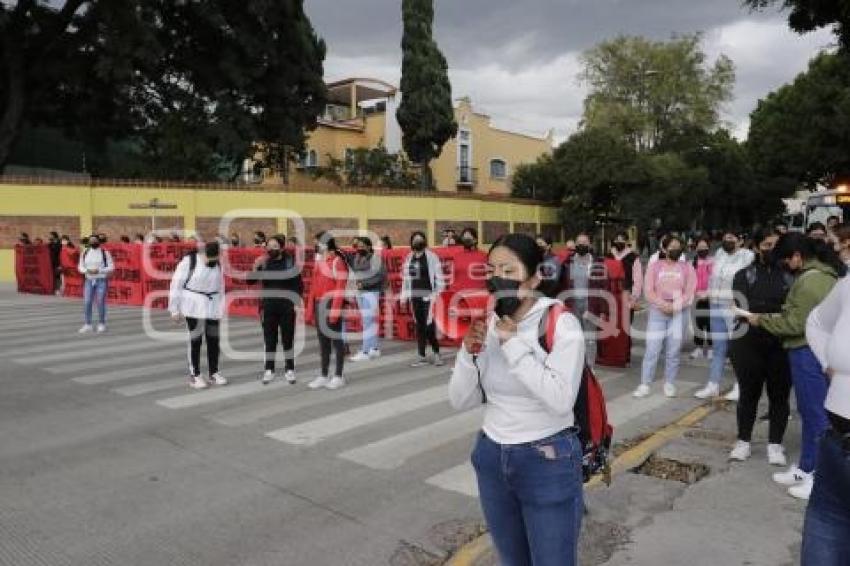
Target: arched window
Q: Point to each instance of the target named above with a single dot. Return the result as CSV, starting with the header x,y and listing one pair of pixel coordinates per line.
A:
x,y
312,158
498,169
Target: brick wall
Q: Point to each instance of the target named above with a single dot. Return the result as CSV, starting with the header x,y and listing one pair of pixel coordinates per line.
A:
x,y
525,228
399,231
37,227
492,231
313,226
208,227
116,226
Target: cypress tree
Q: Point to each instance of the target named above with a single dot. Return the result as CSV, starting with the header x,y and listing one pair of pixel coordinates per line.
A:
x,y
426,114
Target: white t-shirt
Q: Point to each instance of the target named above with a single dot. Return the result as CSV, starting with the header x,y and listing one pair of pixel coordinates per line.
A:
x,y
203,295
530,394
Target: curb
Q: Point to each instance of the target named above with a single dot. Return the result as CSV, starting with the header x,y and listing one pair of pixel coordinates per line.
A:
x,y
472,552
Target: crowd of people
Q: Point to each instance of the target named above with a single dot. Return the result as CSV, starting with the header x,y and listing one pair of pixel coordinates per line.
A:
x,y
776,304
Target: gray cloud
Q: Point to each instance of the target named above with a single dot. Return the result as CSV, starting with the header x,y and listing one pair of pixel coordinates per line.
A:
x,y
518,59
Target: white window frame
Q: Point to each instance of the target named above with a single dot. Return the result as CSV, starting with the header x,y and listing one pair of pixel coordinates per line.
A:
x,y
504,162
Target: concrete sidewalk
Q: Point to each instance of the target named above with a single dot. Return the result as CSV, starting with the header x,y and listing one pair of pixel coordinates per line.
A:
x,y
733,515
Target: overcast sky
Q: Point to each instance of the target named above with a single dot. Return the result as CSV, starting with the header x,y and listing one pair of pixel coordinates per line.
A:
x,y
518,59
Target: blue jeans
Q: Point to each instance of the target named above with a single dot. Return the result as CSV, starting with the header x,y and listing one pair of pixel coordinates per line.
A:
x,y
532,497
95,289
810,386
826,534
721,325
662,331
369,304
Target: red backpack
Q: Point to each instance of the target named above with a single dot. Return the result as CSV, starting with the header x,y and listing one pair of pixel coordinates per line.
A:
x,y
591,415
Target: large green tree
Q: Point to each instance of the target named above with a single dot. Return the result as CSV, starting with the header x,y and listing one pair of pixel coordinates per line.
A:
x,y
426,113
191,85
808,15
650,90
801,132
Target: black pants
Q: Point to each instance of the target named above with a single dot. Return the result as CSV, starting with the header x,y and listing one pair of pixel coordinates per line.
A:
x,y
425,333
702,321
759,360
198,328
330,338
279,317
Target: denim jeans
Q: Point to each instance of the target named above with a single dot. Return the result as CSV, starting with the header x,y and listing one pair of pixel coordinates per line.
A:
x,y
369,303
721,326
826,534
810,387
532,498
95,289
662,331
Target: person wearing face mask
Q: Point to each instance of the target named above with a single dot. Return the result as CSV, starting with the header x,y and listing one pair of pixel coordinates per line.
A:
x,y
817,268
259,239
632,287
728,261
369,276
282,288
757,357
421,284
96,265
470,264
551,263
817,231
327,295
703,264
669,288
661,253
583,277
527,457
197,294
842,236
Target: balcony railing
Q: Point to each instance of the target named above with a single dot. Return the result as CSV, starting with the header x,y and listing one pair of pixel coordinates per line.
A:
x,y
467,177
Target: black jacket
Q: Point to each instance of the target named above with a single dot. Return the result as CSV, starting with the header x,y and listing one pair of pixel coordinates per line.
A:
x,y
764,286
369,271
271,277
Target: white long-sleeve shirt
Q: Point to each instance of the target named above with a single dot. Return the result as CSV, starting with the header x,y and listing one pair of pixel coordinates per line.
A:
x,y
98,259
723,273
530,394
828,334
203,295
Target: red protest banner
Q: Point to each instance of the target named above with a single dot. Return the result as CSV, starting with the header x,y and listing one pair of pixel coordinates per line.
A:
x,y
158,262
33,271
72,280
125,283
240,262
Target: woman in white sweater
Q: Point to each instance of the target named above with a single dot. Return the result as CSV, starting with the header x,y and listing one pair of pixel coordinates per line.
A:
x,y
527,457
826,535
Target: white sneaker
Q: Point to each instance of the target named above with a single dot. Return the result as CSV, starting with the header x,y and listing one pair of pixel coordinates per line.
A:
x,y
268,376
803,490
101,328
290,377
359,357
709,355
642,391
85,329
709,391
696,354
419,362
336,383
218,379
198,382
776,455
792,476
741,452
319,383
437,360
669,390
374,353
734,395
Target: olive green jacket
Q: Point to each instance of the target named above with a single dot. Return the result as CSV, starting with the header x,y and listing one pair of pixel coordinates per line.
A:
x,y
811,287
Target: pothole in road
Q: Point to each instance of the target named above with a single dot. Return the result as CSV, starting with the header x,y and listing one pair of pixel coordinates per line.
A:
x,y
688,473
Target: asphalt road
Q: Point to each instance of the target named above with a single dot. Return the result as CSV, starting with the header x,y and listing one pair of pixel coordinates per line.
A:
x,y
108,458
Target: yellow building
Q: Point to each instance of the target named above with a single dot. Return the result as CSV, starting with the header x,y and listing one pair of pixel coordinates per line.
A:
x,y
361,114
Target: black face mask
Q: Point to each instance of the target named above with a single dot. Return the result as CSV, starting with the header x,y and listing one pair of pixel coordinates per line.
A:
x,y
582,250
418,246
363,253
728,247
95,245
234,242
212,263
258,241
619,246
507,301
468,243
674,254
274,254
702,253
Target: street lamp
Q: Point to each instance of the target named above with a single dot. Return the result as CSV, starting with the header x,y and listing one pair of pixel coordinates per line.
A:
x,y
153,206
